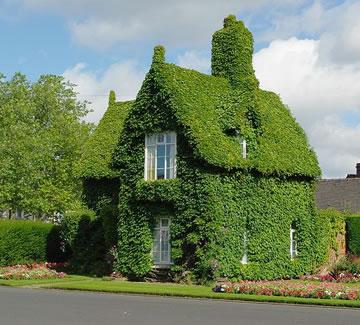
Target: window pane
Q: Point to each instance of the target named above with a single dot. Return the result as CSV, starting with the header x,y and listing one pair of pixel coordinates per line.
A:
x,y
160,138
169,173
170,137
170,150
151,140
156,257
161,150
161,162
160,173
164,222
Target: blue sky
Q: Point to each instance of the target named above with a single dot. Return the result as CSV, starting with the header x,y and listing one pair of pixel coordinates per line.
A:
x,y
308,51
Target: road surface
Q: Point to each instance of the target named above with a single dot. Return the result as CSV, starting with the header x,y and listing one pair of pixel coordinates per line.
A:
x,y
52,307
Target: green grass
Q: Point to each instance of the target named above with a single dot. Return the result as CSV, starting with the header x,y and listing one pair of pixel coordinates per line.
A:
x,y
194,291
22,283
166,289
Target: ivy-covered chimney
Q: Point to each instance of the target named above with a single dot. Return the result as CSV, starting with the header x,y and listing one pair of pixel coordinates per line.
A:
x,y
232,51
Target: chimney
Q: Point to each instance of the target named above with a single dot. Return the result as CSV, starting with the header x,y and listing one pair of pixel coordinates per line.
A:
x,y
232,51
357,175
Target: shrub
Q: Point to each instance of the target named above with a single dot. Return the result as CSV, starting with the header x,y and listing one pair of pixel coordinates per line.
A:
x,y
353,234
109,216
28,242
83,234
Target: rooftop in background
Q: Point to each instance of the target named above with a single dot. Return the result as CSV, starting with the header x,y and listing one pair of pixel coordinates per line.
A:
x,y
343,194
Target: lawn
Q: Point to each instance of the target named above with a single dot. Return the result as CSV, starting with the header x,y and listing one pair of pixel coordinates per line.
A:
x,y
166,289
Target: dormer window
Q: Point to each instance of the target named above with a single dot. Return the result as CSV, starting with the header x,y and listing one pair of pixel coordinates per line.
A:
x,y
160,156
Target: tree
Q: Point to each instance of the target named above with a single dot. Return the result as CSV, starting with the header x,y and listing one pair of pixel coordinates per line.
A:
x,y
41,138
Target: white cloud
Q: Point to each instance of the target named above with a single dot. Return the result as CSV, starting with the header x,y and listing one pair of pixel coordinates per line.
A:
x,y
337,27
194,60
320,93
337,146
124,78
98,24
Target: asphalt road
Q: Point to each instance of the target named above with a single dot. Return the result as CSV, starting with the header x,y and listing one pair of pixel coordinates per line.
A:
x,y
52,307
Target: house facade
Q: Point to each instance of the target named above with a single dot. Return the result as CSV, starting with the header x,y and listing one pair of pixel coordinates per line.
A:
x,y
213,176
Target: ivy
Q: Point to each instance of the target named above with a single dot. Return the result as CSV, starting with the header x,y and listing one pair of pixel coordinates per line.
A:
x,y
218,194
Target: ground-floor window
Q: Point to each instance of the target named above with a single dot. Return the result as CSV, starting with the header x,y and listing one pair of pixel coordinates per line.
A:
x,y
293,242
161,243
244,259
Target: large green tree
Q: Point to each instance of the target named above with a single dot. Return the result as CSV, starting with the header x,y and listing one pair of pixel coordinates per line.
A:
x,y
42,133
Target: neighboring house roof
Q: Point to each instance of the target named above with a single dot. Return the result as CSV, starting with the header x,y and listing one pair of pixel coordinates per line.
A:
x,y
95,161
340,194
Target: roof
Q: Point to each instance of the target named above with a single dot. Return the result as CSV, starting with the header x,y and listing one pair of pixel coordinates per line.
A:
x,y
213,112
208,107
96,158
340,194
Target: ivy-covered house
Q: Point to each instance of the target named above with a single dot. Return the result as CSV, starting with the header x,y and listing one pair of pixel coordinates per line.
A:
x,y
214,177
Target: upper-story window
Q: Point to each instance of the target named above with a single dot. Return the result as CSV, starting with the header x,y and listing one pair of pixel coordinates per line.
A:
x,y
160,156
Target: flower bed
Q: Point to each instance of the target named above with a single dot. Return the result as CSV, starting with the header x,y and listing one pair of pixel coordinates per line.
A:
x,y
322,290
31,271
339,278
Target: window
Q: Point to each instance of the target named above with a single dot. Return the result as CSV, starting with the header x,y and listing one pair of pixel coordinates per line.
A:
x,y
243,147
161,243
244,259
293,243
160,156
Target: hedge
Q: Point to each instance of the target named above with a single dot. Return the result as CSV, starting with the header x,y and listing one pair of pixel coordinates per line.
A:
x,y
353,234
28,242
83,234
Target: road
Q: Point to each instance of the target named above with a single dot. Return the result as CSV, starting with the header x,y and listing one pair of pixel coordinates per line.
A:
x,y
52,307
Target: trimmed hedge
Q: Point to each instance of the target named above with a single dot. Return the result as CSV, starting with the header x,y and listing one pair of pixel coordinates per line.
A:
x,y
83,234
353,234
28,242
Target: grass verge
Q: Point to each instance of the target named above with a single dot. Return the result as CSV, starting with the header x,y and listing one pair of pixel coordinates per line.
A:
x,y
193,291
166,289
41,282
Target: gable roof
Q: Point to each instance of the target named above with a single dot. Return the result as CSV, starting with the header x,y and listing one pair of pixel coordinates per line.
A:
x,y
96,157
214,111
341,194
201,102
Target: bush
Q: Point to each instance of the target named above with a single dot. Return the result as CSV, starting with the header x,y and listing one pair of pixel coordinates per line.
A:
x,y
83,234
109,215
345,265
353,234
28,242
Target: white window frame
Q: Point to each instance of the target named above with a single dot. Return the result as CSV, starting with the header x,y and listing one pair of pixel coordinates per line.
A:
x,y
293,252
243,147
173,134
244,259
158,226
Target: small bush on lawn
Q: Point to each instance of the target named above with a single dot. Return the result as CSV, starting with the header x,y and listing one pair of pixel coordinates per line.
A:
x,y
83,234
31,272
24,242
321,290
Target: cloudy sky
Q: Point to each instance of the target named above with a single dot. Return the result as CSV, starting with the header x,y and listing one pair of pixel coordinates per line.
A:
x,y
307,51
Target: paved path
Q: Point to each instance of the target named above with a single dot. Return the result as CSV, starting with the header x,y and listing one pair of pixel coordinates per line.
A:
x,y
51,307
